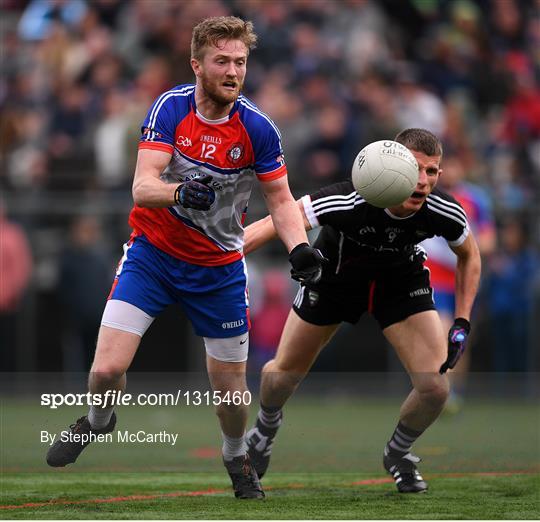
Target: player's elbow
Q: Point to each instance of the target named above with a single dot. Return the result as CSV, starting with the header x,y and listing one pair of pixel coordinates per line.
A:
x,y
138,193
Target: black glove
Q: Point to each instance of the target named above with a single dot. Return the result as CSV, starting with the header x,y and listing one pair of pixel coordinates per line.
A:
x,y
195,193
457,335
306,263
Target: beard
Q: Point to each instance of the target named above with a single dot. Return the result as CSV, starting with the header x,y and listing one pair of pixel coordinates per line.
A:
x,y
217,95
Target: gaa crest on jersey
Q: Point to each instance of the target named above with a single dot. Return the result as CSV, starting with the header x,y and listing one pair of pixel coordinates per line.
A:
x,y
236,152
313,298
184,141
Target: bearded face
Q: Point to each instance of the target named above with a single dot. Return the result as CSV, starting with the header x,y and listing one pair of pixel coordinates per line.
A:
x,y
221,91
222,71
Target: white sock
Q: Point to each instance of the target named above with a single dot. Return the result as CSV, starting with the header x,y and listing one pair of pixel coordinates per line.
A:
x,y
99,417
233,447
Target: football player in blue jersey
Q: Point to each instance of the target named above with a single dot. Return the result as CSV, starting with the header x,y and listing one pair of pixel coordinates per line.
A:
x,y
202,147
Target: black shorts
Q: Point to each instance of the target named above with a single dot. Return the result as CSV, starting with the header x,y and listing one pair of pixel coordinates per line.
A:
x,y
390,298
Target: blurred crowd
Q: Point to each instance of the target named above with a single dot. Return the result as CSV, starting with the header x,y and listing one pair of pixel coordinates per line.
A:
x,y
78,77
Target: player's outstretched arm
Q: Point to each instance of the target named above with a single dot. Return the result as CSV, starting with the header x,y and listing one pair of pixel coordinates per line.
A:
x,y
262,231
306,261
467,280
259,233
467,275
285,213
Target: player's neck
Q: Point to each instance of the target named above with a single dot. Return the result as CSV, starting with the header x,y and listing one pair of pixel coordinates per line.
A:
x,y
210,109
400,212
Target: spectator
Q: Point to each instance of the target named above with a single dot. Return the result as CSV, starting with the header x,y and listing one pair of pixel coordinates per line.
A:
x,y
512,279
39,17
110,143
416,106
329,155
15,274
84,281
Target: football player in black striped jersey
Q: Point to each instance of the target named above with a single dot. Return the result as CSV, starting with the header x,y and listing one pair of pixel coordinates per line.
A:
x,y
376,265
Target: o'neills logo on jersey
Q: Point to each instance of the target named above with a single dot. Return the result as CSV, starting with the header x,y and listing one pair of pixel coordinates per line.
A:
x,y
420,291
211,139
236,152
232,324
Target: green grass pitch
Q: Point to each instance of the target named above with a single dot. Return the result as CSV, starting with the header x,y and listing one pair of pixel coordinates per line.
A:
x,y
481,464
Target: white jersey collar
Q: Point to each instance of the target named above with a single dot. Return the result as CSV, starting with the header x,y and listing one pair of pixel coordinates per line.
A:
x,y
393,216
211,122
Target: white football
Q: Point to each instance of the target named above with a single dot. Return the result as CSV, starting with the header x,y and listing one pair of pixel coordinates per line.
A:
x,y
385,173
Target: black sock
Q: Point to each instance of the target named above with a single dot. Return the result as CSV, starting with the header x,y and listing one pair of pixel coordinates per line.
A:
x,y
270,416
402,440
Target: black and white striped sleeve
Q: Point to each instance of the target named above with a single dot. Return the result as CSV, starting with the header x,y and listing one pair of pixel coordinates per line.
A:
x,y
451,219
332,205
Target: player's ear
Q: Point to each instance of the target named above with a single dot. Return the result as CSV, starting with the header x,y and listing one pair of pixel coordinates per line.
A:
x,y
196,66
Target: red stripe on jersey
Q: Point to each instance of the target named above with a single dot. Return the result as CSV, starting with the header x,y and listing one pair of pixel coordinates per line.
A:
x,y
177,239
272,175
164,147
115,282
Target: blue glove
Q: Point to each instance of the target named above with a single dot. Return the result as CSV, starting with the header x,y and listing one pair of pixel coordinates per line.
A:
x,y
306,263
457,335
195,193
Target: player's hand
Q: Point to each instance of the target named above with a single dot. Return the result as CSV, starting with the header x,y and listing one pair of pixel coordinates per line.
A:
x,y
457,336
306,263
195,193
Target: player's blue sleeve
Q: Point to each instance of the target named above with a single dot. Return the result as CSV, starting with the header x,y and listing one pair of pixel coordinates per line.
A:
x,y
266,143
159,126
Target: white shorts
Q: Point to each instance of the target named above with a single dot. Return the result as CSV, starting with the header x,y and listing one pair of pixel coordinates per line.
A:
x,y
128,318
